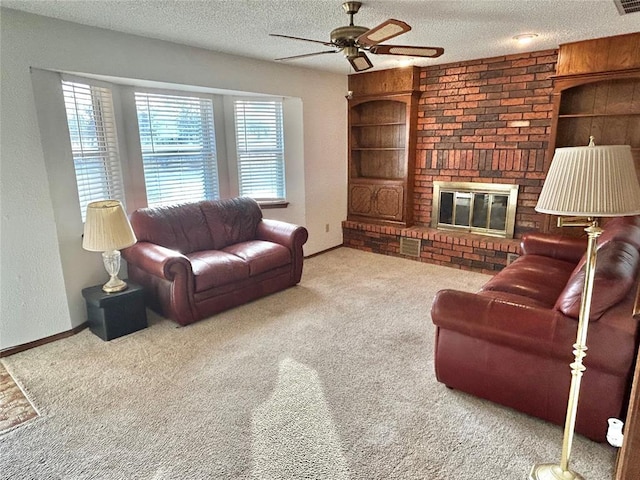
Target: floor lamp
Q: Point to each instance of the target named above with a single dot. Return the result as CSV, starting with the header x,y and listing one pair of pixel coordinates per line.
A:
x,y
588,182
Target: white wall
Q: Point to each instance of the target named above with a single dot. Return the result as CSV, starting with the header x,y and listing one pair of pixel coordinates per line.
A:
x,y
42,265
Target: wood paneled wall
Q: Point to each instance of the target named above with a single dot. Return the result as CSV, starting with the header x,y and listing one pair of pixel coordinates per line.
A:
x,y
607,54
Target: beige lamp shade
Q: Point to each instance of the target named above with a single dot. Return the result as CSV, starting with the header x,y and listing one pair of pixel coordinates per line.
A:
x,y
593,181
107,227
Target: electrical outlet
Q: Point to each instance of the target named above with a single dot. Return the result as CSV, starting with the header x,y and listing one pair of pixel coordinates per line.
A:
x,y
326,227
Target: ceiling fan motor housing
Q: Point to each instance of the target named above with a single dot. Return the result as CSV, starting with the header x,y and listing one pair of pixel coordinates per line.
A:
x,y
346,36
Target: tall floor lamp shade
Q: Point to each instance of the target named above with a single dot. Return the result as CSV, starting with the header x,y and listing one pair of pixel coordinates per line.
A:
x,y
107,230
591,182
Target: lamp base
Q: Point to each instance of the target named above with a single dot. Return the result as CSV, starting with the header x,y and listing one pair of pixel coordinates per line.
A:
x,y
111,261
549,471
114,285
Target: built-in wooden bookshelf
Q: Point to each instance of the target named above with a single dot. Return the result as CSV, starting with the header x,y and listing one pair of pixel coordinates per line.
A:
x,y
381,152
597,93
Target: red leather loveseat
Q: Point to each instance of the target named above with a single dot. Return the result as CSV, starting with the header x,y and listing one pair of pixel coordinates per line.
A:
x,y
197,259
511,342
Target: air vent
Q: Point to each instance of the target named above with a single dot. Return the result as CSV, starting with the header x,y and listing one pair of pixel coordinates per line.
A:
x,y
410,246
627,6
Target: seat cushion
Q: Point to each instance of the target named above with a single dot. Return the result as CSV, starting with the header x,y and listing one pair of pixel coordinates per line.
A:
x,y
536,277
261,256
214,268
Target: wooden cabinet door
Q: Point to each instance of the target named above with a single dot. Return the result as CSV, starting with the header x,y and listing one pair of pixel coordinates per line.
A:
x,y
389,201
361,198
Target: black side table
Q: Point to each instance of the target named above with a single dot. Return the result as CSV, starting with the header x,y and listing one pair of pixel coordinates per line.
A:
x,y
112,315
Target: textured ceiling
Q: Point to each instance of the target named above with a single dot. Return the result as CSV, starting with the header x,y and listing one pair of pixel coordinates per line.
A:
x,y
466,29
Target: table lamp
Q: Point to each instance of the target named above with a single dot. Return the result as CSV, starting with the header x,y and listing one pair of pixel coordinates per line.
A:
x,y
107,230
588,182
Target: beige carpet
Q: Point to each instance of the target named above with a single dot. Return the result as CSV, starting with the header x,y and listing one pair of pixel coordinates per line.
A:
x,y
332,379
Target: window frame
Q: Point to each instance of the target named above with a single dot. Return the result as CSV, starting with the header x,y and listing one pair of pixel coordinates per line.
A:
x,y
232,131
113,178
213,140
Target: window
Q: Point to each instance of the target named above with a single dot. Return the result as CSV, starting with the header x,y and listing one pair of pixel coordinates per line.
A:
x,y
260,149
177,139
93,143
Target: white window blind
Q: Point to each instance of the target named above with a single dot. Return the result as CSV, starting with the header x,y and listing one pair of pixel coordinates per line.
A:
x,y
93,143
178,148
260,149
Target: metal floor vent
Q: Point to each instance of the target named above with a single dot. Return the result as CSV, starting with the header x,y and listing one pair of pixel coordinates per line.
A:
x,y
627,6
410,246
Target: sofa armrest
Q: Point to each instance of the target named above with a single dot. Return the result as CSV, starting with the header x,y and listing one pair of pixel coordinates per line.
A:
x,y
287,234
291,236
554,246
541,331
157,260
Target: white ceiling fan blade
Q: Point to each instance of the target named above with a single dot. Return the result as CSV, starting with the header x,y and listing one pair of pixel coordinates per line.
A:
x,y
407,50
386,30
360,62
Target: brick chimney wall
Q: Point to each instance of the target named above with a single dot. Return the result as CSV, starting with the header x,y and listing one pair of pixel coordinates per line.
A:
x,y
486,120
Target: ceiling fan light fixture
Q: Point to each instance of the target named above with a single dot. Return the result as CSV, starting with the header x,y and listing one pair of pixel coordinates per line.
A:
x,y
350,52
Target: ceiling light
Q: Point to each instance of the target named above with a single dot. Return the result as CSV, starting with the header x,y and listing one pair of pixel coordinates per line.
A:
x,y
525,38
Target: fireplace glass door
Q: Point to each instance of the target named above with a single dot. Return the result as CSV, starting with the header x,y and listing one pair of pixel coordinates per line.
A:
x,y
481,208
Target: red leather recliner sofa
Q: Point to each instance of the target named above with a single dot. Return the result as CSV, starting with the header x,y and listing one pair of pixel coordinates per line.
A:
x,y
511,342
197,259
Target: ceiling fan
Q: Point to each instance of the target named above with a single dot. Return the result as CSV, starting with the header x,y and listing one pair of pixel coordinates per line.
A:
x,y
353,41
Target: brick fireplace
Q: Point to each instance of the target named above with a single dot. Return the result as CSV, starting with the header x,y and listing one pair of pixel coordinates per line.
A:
x,y
484,121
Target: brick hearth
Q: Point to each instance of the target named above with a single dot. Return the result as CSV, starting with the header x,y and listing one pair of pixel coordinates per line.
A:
x,y
454,249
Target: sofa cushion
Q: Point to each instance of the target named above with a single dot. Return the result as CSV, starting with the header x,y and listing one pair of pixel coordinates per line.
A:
x,y
231,221
616,269
260,255
214,268
180,227
536,277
